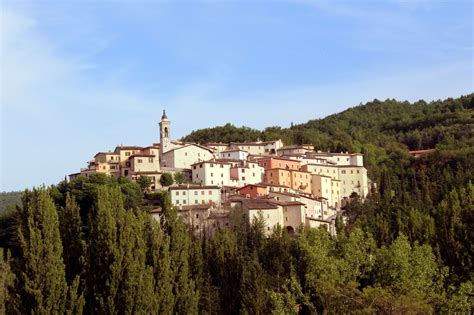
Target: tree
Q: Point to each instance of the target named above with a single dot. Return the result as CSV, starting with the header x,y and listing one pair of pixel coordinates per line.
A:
x,y
6,278
179,178
166,179
72,237
186,296
144,182
40,284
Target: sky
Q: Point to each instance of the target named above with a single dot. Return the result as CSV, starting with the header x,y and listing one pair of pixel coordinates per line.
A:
x,y
78,77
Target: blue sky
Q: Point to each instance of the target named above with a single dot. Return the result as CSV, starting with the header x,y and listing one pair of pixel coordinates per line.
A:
x,y
79,77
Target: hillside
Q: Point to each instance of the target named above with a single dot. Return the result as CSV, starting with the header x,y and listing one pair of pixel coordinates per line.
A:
x,y
377,129
9,198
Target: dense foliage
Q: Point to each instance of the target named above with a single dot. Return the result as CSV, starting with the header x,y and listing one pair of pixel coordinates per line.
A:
x,y
406,249
8,199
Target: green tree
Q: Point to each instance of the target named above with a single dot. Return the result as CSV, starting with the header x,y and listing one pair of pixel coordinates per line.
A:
x,y
144,182
40,285
166,179
72,237
178,178
186,296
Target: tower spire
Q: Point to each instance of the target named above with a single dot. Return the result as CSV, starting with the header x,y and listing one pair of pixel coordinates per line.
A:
x,y
164,115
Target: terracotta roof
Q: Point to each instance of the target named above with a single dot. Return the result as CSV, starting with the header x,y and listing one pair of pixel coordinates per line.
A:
x,y
427,151
185,187
296,195
156,210
108,153
289,203
142,155
128,148
146,172
332,153
254,185
289,147
193,207
280,158
258,204
216,144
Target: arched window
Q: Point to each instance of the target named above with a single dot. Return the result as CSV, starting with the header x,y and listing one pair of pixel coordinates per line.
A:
x,y
166,132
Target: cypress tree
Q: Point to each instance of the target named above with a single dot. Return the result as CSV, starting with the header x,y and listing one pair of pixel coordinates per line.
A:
x,y
74,245
104,254
186,296
40,285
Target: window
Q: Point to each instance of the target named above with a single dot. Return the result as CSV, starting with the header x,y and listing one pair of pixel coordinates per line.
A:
x,y
184,202
352,171
212,174
286,218
127,153
185,153
358,171
195,193
139,160
197,215
212,165
177,202
202,192
210,192
268,216
196,201
150,160
243,177
177,193
184,193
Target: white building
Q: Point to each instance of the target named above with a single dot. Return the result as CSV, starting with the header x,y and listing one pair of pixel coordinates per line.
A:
x,y
195,194
246,173
340,159
212,173
234,154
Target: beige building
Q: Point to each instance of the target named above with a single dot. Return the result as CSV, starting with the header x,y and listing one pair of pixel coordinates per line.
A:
x,y
183,157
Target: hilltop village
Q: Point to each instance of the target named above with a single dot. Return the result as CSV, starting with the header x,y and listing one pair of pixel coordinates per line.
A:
x,y
289,186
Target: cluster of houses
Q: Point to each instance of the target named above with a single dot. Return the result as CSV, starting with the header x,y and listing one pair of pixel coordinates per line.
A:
x,y
290,186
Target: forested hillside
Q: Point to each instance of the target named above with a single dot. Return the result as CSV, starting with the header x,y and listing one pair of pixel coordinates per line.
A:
x,y
8,199
378,129
406,249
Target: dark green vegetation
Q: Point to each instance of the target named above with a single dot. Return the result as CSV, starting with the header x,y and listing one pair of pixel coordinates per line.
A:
x,y
9,198
407,249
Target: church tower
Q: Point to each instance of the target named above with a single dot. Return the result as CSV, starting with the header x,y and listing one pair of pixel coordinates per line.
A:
x,y
165,143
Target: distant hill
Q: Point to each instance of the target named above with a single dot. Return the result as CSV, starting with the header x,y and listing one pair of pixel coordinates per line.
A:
x,y
9,198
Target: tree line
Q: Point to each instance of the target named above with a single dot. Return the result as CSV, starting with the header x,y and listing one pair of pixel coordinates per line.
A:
x,y
83,250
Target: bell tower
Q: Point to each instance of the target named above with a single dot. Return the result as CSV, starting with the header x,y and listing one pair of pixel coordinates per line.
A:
x,y
164,134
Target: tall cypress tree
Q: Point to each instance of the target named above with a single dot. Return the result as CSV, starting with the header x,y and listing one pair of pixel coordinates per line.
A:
x,y
186,295
40,286
74,245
